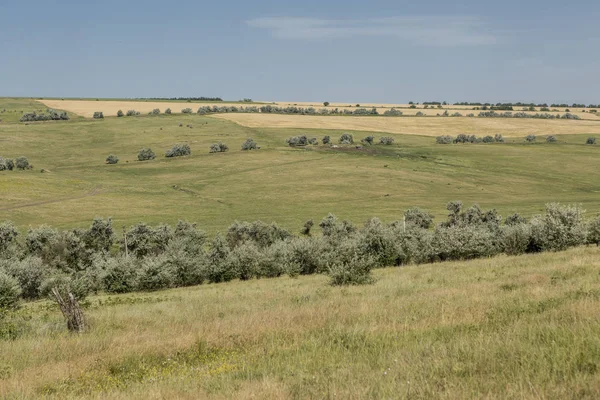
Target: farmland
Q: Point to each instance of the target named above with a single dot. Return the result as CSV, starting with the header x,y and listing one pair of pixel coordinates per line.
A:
x,y
283,184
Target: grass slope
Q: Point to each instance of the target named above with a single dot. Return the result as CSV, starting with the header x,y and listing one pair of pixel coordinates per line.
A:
x,y
275,183
508,327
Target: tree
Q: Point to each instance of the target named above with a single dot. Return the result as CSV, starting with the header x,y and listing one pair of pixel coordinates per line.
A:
x,y
250,144
120,113
326,104
22,163
98,115
112,159
179,150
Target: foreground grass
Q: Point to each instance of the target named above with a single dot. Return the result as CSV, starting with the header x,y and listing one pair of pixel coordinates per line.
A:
x,y
507,327
275,183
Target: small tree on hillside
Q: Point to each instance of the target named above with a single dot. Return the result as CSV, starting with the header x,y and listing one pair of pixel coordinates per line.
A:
x,y
250,144
112,159
146,154
98,115
120,113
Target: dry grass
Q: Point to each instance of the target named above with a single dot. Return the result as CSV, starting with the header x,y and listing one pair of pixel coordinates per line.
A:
x,y
509,127
508,327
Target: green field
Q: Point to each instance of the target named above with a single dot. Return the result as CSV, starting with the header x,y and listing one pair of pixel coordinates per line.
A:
x,y
509,327
275,183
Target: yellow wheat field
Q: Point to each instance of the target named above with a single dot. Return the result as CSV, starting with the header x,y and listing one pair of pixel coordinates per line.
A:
x,y
427,126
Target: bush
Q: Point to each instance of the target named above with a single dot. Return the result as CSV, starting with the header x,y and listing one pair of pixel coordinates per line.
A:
x,y
420,114
156,111
243,261
218,148
590,140
30,273
594,232
559,228
368,140
98,115
346,138
250,144
168,111
326,139
120,113
186,111
112,159
498,138
9,292
120,275
350,266
22,163
393,112
445,139
488,139
146,154
8,239
326,104
515,238
530,138
386,140
52,115
153,275
6,164
179,150
132,113
418,218
551,139
297,141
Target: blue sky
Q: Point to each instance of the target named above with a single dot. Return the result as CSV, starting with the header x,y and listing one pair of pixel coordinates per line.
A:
x,y
337,51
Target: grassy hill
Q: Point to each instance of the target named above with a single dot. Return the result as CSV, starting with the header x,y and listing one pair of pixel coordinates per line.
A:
x,y
275,183
507,327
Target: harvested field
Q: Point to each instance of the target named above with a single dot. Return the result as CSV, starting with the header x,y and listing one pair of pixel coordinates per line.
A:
x,y
434,126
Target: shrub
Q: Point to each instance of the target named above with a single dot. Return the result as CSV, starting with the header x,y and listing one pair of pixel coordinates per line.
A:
x,y
143,240
8,239
98,115
551,139
418,218
386,140
146,154
346,138
393,112
313,141
590,140
9,292
368,140
217,270
326,139
326,104
559,228
22,163
156,111
153,275
6,164
243,261
445,139
132,113
498,138
297,141
420,114
594,232
120,113
530,138
488,139
112,159
350,266
514,219
305,256
515,238
218,148
120,275
168,111
186,111
179,150
250,144
30,273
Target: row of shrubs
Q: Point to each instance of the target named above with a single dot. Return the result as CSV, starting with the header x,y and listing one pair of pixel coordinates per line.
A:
x,y
463,138
494,114
134,113
345,138
183,149
8,164
151,258
498,138
50,115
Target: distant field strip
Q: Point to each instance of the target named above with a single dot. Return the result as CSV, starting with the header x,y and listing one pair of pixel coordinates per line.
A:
x,y
510,127
86,108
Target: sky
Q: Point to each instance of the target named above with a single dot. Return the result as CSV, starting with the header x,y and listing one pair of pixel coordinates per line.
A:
x,y
385,51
